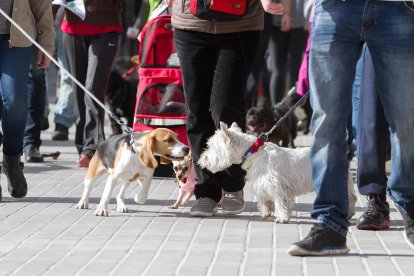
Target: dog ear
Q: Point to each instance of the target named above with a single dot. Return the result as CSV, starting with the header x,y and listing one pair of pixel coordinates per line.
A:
x,y
147,156
164,160
223,127
234,125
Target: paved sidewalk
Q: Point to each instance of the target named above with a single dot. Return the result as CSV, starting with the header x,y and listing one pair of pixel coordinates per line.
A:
x,y
45,235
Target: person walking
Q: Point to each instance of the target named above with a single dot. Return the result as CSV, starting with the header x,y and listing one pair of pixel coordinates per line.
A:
x,y
35,17
215,59
91,45
338,32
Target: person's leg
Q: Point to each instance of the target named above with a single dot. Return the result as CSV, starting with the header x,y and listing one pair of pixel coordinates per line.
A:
x,y
100,58
335,48
297,40
14,70
65,110
197,57
236,54
394,68
372,143
35,107
258,65
76,49
276,64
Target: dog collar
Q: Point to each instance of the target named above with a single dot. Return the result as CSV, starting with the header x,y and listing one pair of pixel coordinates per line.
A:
x,y
255,147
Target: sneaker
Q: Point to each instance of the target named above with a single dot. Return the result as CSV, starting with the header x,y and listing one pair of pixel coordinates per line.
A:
x,y
320,241
204,207
83,161
376,216
408,226
61,133
233,203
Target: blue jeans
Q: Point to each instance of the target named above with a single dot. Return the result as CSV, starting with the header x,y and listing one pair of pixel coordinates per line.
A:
x,y
339,29
66,111
35,103
14,75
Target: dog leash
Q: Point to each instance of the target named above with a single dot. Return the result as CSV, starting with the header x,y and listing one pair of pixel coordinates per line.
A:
x,y
115,117
264,136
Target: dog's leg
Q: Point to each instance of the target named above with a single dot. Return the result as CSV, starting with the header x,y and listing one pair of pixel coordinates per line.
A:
x,y
178,202
102,209
120,202
265,208
142,195
89,184
187,198
283,207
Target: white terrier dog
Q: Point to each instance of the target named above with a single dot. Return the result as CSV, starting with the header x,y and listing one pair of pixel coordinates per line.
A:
x,y
276,175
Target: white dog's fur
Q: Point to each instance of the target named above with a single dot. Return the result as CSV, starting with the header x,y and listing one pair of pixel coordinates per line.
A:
x,y
276,175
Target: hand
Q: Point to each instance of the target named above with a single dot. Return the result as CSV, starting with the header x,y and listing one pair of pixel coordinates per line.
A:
x,y
286,23
270,7
168,2
132,32
43,60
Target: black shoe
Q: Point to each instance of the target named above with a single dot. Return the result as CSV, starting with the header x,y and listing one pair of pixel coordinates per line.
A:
x,y
61,133
376,216
13,169
44,124
320,241
32,154
408,225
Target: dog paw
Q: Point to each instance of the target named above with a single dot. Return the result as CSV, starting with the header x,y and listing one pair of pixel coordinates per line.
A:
x,y
140,198
82,205
122,208
265,215
282,220
101,211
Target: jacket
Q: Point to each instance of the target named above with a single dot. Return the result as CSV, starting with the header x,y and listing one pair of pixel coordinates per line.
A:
x,y
99,12
183,19
36,18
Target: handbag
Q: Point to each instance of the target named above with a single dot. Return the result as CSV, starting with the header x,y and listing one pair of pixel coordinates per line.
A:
x,y
220,10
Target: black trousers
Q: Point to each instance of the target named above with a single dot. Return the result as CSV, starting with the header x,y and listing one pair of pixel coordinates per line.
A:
x,y
215,68
285,54
90,61
373,135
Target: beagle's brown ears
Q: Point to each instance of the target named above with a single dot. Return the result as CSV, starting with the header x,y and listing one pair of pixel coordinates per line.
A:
x,y
164,160
147,153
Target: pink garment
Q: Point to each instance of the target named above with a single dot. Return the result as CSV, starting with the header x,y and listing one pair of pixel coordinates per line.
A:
x,y
189,185
302,85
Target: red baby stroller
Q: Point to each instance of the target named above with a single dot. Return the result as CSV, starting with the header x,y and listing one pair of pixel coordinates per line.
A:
x,y
160,96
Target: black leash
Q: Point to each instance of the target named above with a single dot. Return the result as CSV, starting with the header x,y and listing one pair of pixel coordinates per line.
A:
x,y
264,136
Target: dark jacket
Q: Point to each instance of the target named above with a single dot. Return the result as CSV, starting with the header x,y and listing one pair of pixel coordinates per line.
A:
x,y
99,12
183,19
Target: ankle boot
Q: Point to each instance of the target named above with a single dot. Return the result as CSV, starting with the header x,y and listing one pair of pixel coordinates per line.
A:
x,y
13,169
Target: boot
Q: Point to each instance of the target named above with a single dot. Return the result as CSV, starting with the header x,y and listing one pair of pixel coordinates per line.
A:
x,y
13,169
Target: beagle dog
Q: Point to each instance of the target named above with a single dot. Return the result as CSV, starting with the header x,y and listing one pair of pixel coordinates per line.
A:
x,y
130,159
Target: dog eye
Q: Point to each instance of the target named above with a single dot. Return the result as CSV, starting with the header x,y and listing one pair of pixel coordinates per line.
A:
x,y
169,140
175,169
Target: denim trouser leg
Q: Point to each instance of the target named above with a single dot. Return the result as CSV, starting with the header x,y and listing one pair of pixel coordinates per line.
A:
x,y
35,102
373,135
66,109
338,29
14,74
